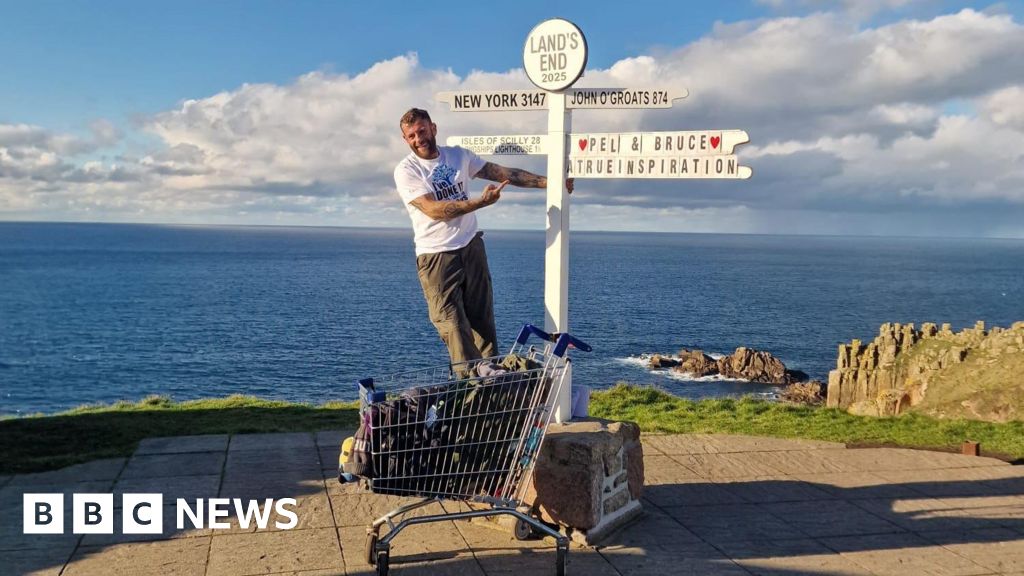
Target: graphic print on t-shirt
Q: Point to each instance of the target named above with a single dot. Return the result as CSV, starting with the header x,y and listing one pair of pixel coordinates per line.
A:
x,y
447,186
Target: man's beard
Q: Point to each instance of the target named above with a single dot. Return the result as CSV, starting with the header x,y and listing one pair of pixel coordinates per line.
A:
x,y
431,151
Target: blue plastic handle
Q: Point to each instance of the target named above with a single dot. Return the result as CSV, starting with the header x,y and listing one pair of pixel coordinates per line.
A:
x,y
562,341
566,340
528,329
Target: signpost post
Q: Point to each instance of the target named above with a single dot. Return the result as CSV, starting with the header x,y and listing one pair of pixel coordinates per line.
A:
x,y
554,57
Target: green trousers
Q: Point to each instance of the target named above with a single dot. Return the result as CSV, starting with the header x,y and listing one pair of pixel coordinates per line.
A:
x,y
457,287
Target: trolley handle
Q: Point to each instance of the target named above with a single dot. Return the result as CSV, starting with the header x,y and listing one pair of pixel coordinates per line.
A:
x,y
528,329
562,341
566,340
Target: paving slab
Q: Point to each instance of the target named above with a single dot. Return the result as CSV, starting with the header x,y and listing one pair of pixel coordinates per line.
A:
x,y
271,552
190,488
837,518
259,462
777,557
686,560
312,512
165,465
47,561
434,542
106,469
277,484
181,557
726,443
729,443
284,441
857,485
659,469
169,522
724,465
999,550
729,522
653,527
713,504
463,565
329,458
925,514
12,496
516,561
766,489
332,438
680,443
301,480
799,462
649,448
1007,511
362,509
12,506
690,492
183,444
902,554
941,482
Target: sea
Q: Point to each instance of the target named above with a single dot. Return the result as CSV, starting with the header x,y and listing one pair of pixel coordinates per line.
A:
x,y
96,313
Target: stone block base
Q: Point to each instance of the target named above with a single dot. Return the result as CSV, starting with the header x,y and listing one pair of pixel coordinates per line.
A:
x,y
589,476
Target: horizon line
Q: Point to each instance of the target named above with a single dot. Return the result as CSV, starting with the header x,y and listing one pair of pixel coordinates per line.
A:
x,y
402,228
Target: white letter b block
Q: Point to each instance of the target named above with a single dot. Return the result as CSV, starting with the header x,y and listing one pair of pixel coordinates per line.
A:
x,y
43,514
93,513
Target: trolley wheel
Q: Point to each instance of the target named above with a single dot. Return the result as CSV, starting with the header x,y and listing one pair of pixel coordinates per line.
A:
x,y
560,556
370,550
523,530
382,564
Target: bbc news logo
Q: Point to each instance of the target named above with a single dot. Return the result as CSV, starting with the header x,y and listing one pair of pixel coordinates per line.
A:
x,y
143,513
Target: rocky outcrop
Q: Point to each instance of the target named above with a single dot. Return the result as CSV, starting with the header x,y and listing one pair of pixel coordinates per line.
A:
x,y
753,365
743,364
975,373
697,363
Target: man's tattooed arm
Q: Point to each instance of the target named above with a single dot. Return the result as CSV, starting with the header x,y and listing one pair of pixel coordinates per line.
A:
x,y
448,209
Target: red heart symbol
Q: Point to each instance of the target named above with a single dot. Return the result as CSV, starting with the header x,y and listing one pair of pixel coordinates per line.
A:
x,y
583,143
714,141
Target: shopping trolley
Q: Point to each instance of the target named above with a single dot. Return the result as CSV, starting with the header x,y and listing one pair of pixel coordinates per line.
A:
x,y
466,432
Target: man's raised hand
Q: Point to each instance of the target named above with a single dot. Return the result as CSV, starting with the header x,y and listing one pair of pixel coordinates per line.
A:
x,y
492,193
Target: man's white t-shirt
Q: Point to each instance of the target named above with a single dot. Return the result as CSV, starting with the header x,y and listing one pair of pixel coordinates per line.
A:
x,y
445,178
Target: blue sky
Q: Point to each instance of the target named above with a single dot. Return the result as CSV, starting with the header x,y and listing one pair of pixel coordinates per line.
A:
x,y
94,122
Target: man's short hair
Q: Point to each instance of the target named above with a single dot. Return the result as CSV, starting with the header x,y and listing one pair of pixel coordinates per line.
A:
x,y
414,115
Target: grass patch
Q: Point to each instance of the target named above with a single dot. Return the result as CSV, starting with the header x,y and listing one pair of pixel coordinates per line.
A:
x,y
657,411
36,443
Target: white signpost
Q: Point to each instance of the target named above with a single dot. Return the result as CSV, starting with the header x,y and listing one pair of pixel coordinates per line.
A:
x,y
555,56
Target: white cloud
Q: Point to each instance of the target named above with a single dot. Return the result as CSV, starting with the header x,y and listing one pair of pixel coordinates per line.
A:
x,y
843,119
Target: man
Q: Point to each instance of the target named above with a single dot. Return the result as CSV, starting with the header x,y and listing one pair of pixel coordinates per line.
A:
x,y
451,262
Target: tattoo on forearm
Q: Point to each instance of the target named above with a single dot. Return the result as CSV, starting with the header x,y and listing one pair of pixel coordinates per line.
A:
x,y
443,210
515,176
454,209
524,179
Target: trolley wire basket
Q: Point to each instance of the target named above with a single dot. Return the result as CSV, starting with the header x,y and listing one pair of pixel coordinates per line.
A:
x,y
466,432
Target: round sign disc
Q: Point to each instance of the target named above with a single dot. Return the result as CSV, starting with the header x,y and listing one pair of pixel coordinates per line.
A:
x,y
555,54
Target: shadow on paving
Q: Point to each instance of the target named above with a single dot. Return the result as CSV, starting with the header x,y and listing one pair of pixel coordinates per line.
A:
x,y
39,444
768,526
743,527
259,469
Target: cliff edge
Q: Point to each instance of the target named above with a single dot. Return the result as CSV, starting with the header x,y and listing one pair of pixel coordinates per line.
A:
x,y
975,373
